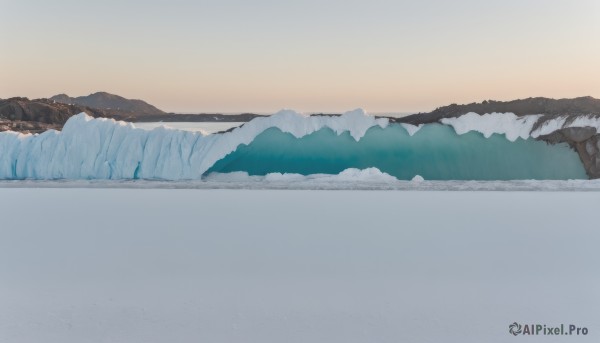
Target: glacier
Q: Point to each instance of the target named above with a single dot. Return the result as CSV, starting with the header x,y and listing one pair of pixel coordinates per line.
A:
x,y
89,148
497,146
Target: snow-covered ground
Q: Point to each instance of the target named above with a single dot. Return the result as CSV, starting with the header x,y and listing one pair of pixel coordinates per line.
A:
x,y
202,265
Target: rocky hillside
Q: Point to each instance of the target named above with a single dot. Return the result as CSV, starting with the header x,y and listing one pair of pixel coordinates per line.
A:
x,y
547,106
111,103
37,115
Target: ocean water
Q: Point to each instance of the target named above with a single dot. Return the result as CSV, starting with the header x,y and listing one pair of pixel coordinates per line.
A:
x,y
204,127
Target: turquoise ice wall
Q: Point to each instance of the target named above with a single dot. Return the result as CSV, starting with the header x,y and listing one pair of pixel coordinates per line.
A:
x,y
435,152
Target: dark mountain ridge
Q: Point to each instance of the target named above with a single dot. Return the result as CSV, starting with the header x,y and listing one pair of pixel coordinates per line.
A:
x,y
38,115
550,107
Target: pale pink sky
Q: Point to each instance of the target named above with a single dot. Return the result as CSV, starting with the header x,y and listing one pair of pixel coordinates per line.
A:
x,y
261,56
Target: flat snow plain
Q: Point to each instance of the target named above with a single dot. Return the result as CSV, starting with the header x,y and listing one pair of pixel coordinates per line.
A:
x,y
218,265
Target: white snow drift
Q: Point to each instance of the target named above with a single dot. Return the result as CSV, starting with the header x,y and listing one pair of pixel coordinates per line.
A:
x,y
354,175
513,126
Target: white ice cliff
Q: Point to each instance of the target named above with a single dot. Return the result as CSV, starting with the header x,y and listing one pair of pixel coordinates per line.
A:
x,y
89,148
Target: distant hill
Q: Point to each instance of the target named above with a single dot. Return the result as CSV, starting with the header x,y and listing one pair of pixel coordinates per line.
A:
x,y
112,103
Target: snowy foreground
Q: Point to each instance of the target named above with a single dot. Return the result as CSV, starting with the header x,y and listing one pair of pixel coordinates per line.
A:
x,y
201,265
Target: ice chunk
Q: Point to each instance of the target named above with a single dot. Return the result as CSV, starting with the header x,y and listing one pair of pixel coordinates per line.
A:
x,y
417,178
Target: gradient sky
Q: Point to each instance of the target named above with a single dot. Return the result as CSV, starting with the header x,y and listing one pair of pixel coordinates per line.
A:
x,y
240,55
